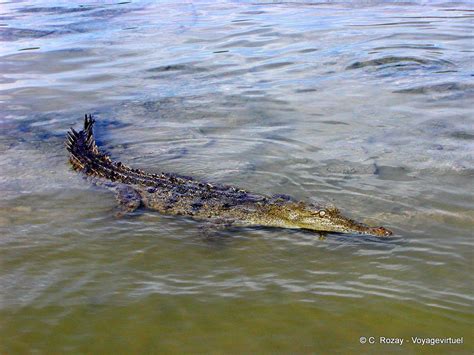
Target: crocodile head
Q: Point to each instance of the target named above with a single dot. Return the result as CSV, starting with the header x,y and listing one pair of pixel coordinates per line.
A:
x,y
316,218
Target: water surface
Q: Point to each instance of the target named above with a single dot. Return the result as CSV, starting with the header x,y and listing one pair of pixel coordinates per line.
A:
x,y
367,106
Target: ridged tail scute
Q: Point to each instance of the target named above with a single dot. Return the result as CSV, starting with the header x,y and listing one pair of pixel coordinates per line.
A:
x,y
84,154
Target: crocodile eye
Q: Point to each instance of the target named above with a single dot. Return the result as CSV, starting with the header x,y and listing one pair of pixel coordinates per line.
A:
x,y
322,213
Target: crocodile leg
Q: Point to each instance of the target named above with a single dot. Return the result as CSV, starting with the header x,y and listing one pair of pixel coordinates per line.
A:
x,y
211,228
128,198
322,235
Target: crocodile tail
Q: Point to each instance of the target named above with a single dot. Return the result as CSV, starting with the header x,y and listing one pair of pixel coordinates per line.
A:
x,y
84,154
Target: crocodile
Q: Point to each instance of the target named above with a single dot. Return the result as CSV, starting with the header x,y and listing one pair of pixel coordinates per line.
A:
x,y
217,205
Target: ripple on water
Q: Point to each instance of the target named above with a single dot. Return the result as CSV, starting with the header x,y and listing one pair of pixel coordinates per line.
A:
x,y
401,63
442,88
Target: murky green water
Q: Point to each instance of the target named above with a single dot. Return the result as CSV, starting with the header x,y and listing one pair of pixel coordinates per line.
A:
x,y
367,106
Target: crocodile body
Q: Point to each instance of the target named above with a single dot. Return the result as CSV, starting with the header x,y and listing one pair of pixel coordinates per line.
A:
x,y
220,205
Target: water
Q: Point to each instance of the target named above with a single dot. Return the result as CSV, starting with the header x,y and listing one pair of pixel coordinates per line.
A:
x,y
367,106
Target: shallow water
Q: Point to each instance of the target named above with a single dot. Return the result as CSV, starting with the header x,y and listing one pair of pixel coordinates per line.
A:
x,y
367,106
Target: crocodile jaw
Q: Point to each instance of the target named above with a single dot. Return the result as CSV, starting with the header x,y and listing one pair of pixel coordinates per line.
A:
x,y
316,218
